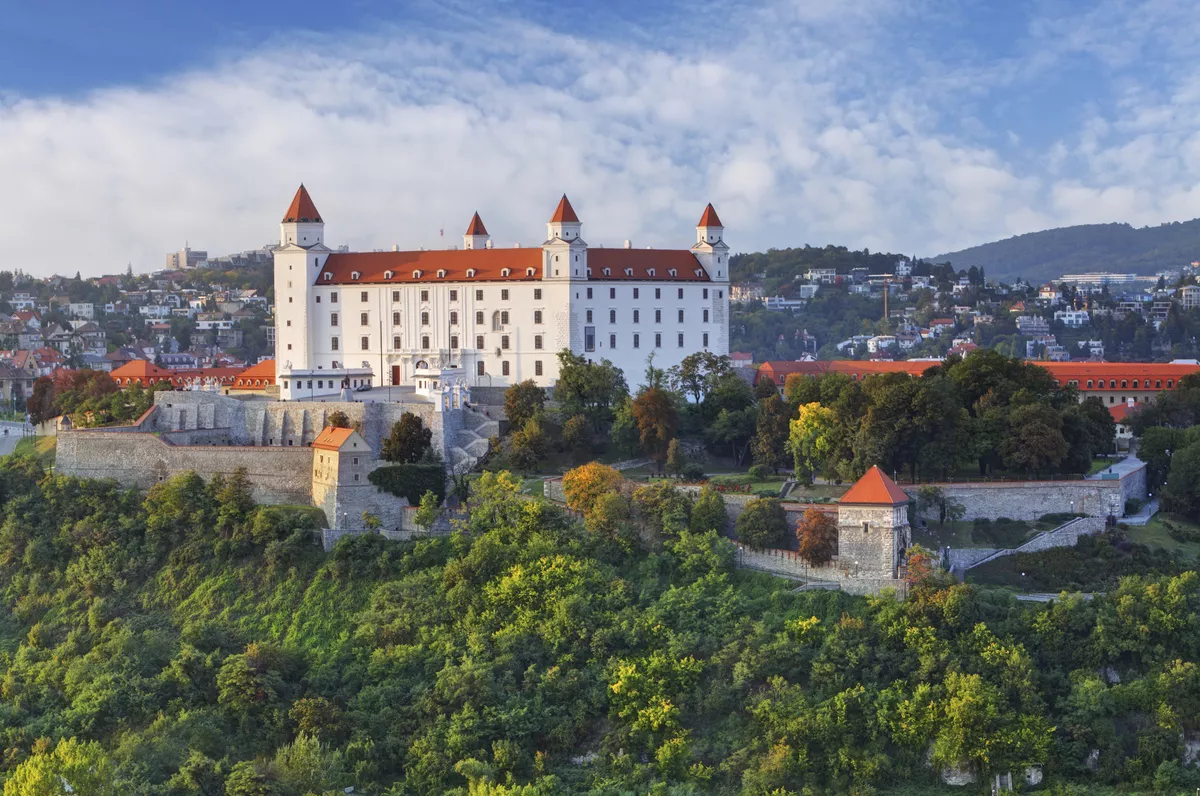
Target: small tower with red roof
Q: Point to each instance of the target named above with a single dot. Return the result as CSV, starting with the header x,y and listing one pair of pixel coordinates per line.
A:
x,y
298,259
873,529
302,224
710,248
564,252
476,236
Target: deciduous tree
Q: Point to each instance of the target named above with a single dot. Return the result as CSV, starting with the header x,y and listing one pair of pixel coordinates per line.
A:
x,y
655,413
818,536
522,401
408,441
762,523
584,485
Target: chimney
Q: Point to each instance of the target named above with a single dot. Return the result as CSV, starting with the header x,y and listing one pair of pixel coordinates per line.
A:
x,y
488,245
628,244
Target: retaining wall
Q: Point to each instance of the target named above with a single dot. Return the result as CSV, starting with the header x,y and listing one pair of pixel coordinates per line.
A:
x,y
1029,500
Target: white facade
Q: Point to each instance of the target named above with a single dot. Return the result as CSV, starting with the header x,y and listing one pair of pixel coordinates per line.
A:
x,y
496,316
1073,318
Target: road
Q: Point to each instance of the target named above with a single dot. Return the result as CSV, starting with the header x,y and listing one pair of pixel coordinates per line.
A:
x,y
9,442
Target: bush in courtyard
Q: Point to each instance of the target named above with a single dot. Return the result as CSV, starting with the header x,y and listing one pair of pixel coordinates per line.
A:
x,y
410,481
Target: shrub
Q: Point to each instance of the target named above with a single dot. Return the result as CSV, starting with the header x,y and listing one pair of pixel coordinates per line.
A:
x,y
693,471
760,472
763,523
1133,506
410,481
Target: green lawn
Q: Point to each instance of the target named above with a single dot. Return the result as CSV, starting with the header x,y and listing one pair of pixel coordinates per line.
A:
x,y
969,533
1156,534
534,486
41,448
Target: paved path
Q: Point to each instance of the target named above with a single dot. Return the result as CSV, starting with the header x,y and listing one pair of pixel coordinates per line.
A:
x,y
9,443
1117,469
1046,597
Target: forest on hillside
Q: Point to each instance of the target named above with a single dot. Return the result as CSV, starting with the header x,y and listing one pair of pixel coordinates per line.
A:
x,y
1042,256
186,641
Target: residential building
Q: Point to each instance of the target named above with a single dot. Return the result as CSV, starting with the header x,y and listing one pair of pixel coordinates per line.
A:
x,y
1073,318
1032,325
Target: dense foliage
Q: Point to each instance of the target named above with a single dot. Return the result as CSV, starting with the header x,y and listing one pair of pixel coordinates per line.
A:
x,y
410,481
90,398
192,643
992,410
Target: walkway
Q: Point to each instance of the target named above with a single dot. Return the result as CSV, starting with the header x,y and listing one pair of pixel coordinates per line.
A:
x,y
1117,470
1143,516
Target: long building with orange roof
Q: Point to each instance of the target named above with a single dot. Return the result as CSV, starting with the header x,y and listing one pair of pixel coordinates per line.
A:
x,y
1113,382
146,373
484,316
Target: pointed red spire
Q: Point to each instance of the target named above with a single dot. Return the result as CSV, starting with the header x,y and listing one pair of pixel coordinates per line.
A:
x,y
709,219
564,212
875,489
302,209
476,227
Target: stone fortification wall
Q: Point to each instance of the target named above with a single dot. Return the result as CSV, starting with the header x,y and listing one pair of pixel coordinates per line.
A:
x,y
201,436
1065,535
277,475
1028,500
345,505
788,563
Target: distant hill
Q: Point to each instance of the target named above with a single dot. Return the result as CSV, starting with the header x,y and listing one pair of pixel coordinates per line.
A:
x,y
1041,256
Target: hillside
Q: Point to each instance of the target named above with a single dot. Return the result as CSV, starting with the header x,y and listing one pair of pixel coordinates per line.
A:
x,y
187,642
1041,256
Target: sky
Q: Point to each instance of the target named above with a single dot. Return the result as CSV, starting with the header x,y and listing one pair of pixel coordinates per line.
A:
x,y
913,126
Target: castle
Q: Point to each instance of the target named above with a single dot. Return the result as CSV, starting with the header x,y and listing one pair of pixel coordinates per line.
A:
x,y
484,316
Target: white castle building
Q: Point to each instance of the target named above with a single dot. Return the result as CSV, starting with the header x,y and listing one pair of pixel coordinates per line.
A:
x,y
487,317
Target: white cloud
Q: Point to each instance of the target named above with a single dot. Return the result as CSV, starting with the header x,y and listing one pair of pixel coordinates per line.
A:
x,y
808,122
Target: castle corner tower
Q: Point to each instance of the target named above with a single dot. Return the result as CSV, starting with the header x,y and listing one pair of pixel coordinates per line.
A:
x,y
873,529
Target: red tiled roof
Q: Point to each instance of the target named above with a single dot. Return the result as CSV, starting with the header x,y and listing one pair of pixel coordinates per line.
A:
x,y
1063,372
488,264
1119,412
146,373
875,489
564,212
476,226
641,261
709,219
256,377
332,439
302,208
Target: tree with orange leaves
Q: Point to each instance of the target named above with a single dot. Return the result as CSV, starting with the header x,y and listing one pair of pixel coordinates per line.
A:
x,y
818,537
585,485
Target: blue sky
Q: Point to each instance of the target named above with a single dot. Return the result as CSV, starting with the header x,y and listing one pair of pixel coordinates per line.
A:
x,y
918,126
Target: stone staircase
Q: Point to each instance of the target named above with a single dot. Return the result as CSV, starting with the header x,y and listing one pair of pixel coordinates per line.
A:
x,y
470,443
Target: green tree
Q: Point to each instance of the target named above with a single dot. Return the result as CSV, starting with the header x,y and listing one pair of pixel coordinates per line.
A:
x,y
1182,492
523,401
529,445
338,419
72,766
762,523
811,439
577,436
592,389
408,441
769,447
655,413
624,431
429,510
708,512
676,459
1035,441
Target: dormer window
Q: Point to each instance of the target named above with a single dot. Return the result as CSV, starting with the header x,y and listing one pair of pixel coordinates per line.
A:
x,y
672,272
355,274
416,274
388,274
441,274
529,272
628,272
504,272
589,272
649,272
608,272
470,273
698,272
328,276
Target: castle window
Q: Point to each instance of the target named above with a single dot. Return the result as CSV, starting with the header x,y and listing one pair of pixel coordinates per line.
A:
x,y
454,295
479,341
479,295
479,368
612,316
504,342
425,341
589,338
1089,383
388,274
441,274
416,274
424,295
333,297
706,316
366,344
318,299
607,271
395,341
333,344
424,318
454,318
1169,383
681,339
636,316
537,368
364,319
1158,384
657,292
612,341
706,339
658,316
1124,383
356,476
453,342
673,272
395,295
504,294
589,292
363,296
504,368
681,316
537,316
705,295
537,342
650,272
635,292
479,318
395,319
866,527
589,316
289,323
328,276
1135,384
637,341
504,317
529,272
333,319
537,294
658,339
